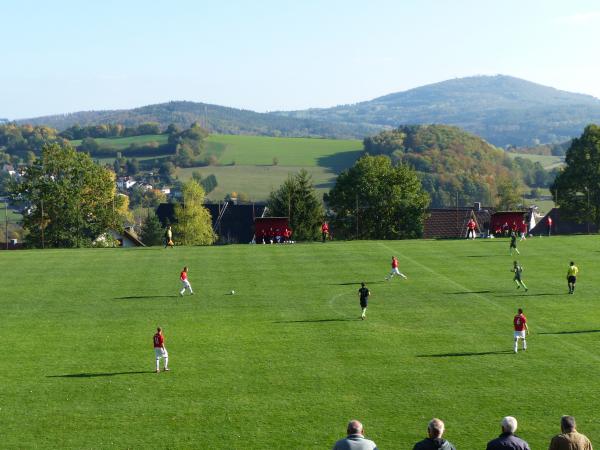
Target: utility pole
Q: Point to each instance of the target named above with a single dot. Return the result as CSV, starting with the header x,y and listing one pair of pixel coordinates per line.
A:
x,y
42,223
6,223
357,216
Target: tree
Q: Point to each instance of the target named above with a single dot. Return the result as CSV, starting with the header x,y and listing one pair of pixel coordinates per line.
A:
x,y
509,194
152,232
194,223
71,199
375,200
297,200
576,188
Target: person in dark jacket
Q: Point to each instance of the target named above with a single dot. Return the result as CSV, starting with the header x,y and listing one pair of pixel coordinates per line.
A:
x,y
434,441
508,439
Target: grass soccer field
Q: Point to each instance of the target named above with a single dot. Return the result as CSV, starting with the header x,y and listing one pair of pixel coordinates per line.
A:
x,y
285,362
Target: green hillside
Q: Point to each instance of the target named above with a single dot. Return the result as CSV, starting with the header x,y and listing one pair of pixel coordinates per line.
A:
x,y
285,362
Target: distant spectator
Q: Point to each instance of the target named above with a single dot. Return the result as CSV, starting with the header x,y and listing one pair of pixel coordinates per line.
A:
x,y
434,441
549,226
355,439
169,237
263,236
508,439
471,225
523,230
325,231
570,439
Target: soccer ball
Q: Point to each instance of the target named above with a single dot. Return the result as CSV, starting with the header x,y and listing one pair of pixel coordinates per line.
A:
x,y
232,292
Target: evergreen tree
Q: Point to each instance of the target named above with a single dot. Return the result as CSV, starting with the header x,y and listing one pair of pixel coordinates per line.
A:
x,y
296,199
152,232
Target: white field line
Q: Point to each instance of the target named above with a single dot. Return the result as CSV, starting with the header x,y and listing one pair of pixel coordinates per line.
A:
x,y
566,343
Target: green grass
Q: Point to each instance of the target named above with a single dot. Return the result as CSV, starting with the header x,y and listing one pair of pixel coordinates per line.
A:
x,y
122,143
254,172
285,363
257,181
547,161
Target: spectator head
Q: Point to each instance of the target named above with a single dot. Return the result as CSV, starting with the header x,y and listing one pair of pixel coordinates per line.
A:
x,y
567,424
355,427
509,424
435,428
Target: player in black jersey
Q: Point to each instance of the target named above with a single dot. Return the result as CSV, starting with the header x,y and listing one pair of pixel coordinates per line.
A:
x,y
364,293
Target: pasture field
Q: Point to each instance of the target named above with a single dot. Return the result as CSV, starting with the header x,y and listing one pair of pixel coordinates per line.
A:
x,y
548,162
246,162
121,143
285,362
257,181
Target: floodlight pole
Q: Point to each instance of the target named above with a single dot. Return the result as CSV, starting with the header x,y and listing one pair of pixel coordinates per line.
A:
x,y
6,223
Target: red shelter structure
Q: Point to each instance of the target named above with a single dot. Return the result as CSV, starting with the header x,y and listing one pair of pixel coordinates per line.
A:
x,y
269,227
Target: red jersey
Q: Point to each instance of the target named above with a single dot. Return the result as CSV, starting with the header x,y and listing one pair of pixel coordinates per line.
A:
x,y
523,227
183,276
471,225
520,320
159,340
394,263
325,228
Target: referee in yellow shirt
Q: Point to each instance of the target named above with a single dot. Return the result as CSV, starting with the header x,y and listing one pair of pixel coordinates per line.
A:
x,y
572,277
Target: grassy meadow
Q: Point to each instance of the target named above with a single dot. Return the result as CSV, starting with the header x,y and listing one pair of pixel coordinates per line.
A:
x,y
255,165
285,362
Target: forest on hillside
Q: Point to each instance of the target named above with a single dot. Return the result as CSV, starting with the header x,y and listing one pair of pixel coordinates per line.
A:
x,y
452,162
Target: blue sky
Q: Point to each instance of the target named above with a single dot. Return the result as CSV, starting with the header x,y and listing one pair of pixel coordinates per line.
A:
x,y
64,56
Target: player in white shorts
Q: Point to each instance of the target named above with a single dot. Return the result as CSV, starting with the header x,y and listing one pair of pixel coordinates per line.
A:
x,y
395,270
521,330
160,351
186,284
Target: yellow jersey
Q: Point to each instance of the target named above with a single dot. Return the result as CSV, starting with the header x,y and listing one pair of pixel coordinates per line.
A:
x,y
572,272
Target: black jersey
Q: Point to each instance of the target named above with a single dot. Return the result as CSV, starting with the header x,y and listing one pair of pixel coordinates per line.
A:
x,y
364,293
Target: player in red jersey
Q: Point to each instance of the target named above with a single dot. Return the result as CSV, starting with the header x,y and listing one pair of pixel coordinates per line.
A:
x,y
395,270
160,351
521,329
471,225
325,231
186,284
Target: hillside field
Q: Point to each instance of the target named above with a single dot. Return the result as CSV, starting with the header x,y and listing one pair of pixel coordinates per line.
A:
x,y
548,162
285,362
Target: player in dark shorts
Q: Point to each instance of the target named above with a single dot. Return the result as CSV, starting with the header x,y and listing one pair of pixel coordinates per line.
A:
x,y
518,270
513,243
572,277
364,293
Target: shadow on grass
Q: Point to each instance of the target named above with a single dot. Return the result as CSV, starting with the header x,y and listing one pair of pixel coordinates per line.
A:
x,y
484,256
450,355
467,292
350,283
315,320
570,332
99,374
134,297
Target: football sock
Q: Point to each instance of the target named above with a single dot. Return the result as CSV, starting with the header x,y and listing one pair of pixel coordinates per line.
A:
x,y
516,345
524,344
166,363
157,364
523,284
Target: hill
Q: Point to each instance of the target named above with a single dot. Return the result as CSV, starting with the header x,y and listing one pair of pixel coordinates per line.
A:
x,y
453,165
285,362
503,110
218,119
